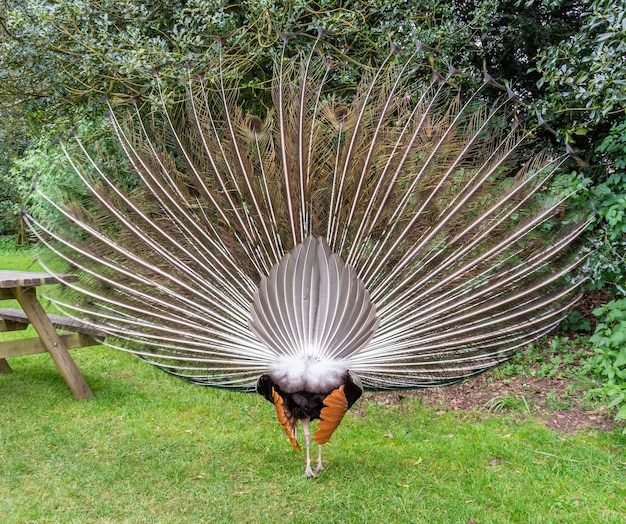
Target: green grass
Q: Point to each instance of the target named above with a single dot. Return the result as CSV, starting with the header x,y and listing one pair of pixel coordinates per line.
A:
x,y
152,448
17,257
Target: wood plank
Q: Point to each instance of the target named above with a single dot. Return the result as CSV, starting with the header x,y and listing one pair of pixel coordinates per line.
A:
x,y
11,325
4,366
14,279
27,297
32,346
18,316
5,294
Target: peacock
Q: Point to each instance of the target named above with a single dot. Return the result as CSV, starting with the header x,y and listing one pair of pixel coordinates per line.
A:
x,y
390,234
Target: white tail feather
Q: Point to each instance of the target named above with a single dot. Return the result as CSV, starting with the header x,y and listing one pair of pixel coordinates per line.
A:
x,y
313,306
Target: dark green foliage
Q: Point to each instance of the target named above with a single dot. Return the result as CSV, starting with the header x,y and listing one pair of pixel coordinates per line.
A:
x,y
611,194
606,265
576,322
77,51
583,82
609,342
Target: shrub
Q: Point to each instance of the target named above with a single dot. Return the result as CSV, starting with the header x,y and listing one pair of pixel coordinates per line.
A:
x,y
609,343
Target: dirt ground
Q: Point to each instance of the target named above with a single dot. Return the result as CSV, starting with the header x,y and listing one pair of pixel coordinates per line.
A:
x,y
555,401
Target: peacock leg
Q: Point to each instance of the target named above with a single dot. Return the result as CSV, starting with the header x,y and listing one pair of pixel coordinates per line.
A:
x,y
320,466
308,472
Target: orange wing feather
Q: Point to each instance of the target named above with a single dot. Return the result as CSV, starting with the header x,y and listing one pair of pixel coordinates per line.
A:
x,y
336,405
286,419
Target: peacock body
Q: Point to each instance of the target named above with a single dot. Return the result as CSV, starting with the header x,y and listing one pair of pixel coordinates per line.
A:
x,y
393,238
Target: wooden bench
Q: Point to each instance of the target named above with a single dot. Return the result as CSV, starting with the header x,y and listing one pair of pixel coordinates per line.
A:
x,y
16,319
22,286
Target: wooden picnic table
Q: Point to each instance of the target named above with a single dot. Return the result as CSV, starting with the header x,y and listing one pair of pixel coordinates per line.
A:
x,y
22,286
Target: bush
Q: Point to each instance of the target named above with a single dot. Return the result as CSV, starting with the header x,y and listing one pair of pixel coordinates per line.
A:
x,y
605,264
609,342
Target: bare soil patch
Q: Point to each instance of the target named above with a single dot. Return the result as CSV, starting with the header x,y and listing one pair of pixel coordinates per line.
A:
x,y
555,401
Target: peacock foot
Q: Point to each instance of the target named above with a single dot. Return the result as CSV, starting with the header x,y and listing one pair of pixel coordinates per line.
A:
x,y
309,473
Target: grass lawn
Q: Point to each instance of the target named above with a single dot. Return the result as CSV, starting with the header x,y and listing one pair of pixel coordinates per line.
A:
x,y
152,448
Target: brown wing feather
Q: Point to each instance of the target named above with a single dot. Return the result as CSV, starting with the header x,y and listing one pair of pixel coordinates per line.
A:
x,y
336,405
286,419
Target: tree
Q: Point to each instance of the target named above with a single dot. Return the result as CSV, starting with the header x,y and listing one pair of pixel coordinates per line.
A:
x,y
58,58
582,78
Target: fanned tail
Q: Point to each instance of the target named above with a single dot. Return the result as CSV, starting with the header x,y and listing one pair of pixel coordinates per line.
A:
x,y
402,234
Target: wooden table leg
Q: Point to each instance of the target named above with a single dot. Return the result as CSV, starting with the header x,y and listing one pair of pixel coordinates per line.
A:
x,y
4,366
27,297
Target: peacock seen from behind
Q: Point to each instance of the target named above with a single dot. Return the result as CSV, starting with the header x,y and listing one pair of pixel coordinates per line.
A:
x,y
393,237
